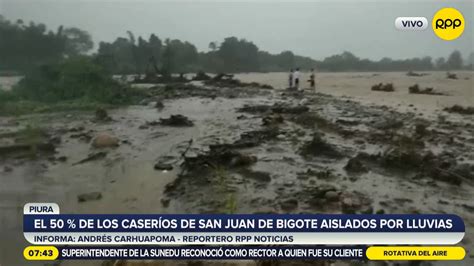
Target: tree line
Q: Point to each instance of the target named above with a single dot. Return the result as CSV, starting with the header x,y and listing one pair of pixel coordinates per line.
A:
x,y
24,46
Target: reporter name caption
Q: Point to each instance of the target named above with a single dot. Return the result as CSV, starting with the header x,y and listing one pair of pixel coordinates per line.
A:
x,y
44,225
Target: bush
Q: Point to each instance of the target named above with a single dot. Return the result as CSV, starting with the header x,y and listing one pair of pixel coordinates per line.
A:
x,y
29,107
74,78
6,96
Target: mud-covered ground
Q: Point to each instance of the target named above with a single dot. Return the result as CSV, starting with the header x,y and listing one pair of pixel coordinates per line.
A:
x,y
205,149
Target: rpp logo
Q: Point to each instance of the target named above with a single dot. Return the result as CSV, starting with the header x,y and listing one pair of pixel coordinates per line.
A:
x,y
448,24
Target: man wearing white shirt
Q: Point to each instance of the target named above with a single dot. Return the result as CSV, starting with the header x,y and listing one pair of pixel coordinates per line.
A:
x,y
296,79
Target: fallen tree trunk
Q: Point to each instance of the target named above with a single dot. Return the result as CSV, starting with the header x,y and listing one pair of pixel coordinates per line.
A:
x,y
9,149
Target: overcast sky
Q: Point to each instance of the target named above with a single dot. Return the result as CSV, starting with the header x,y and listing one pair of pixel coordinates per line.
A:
x,y
311,28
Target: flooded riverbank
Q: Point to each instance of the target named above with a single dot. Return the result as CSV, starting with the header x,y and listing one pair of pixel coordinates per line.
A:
x,y
354,85
345,149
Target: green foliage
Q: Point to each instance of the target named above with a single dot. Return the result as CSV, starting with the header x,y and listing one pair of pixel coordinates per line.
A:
x,y
6,96
31,135
229,205
440,63
213,46
470,61
13,107
128,56
77,41
28,107
221,178
73,79
349,62
177,55
238,55
454,61
23,47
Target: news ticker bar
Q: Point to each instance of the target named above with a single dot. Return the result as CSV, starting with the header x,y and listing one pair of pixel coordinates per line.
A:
x,y
50,253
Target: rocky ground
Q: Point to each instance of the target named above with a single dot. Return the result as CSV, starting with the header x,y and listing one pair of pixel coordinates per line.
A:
x,y
239,148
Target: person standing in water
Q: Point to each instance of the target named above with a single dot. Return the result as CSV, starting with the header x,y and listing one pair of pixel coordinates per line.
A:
x,y
312,82
290,79
296,78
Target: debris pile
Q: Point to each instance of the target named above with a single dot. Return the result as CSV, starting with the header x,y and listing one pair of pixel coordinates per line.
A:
x,y
180,90
159,105
414,74
451,76
272,120
319,147
176,121
92,157
151,78
441,167
218,156
383,87
223,80
101,115
163,166
201,76
460,109
278,108
355,165
28,142
89,196
415,89
252,138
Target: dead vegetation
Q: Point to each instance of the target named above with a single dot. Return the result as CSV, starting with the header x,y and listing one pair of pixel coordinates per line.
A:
x,y
101,115
388,87
311,120
152,78
272,120
441,167
180,90
355,165
89,196
218,156
319,147
223,80
415,74
251,139
92,157
201,76
176,121
279,108
415,89
460,110
31,142
451,75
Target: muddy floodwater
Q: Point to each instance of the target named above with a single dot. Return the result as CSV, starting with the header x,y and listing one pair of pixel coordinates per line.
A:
x,y
355,84
212,149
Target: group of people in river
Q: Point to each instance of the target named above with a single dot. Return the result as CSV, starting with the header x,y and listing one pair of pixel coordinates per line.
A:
x,y
294,79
